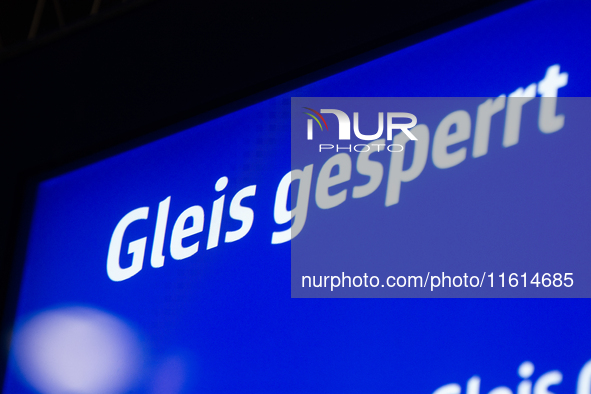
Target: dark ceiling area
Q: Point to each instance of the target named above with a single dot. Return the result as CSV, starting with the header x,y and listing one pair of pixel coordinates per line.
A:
x,y
28,23
81,76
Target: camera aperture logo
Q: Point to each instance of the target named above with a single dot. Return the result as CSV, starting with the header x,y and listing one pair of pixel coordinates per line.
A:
x,y
344,134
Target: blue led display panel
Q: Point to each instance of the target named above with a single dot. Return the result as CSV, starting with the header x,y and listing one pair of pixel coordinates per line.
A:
x,y
155,270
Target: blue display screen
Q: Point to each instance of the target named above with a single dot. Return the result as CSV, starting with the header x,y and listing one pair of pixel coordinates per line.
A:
x,y
155,270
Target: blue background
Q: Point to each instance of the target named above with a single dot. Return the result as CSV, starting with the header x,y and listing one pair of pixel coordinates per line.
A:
x,y
230,308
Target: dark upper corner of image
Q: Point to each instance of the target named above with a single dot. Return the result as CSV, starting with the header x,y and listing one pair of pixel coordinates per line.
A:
x,y
96,73
27,24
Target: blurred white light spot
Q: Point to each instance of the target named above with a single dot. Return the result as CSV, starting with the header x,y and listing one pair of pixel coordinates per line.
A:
x,y
77,350
526,369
